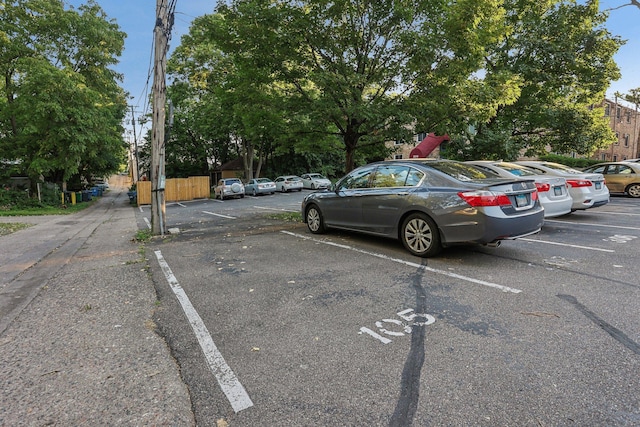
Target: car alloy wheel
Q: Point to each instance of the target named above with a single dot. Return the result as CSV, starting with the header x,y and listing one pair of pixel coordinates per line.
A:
x,y
315,223
419,235
634,190
254,193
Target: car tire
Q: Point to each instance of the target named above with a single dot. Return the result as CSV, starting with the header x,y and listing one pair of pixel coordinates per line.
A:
x,y
254,193
313,186
283,189
419,235
314,220
633,190
242,196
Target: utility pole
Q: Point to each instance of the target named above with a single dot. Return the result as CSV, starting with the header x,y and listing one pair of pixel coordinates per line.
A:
x,y
161,31
135,146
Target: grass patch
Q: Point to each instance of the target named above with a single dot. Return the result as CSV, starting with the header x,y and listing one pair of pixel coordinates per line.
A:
x,y
287,216
12,227
47,210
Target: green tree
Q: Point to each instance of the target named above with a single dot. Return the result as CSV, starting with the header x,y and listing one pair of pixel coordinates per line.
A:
x,y
559,60
62,106
357,73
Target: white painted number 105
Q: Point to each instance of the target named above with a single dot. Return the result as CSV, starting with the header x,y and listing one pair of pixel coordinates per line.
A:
x,y
398,328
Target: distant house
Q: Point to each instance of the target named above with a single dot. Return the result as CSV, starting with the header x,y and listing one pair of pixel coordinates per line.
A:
x,y
231,169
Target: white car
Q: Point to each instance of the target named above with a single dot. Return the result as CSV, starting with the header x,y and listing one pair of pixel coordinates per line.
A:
x,y
588,190
315,181
288,183
553,191
229,187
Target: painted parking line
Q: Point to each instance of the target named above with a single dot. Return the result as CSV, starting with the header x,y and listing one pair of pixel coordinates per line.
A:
x,y
594,225
147,221
614,213
229,383
220,215
277,209
409,263
566,244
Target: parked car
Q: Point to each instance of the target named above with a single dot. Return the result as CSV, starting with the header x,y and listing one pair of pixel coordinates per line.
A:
x,y
229,187
427,204
621,177
259,186
552,190
588,190
315,181
288,183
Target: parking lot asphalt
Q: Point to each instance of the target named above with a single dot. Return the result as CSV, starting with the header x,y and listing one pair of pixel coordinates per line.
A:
x,y
78,345
244,318
272,325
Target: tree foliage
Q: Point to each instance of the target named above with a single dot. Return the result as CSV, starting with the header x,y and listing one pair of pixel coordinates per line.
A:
x,y
558,62
62,107
297,77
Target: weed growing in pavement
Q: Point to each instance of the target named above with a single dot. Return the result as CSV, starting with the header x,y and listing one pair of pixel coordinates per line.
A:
x,y
143,236
287,216
11,227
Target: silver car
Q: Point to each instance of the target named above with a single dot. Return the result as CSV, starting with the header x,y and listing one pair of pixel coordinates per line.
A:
x,y
314,181
259,186
552,190
588,190
427,205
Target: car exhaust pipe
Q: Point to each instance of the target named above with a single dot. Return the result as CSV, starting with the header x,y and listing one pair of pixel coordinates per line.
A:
x,y
493,244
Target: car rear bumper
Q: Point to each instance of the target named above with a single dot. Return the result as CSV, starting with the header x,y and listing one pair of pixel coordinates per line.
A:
x,y
488,229
553,208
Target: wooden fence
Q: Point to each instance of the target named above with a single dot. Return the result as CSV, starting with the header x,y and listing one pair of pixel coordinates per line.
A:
x,y
177,189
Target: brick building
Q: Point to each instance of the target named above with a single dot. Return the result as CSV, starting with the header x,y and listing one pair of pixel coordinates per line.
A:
x,y
624,122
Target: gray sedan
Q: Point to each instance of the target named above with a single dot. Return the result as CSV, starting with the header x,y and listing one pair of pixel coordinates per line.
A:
x,y
427,205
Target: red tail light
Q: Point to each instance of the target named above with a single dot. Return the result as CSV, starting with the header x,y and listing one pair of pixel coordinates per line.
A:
x,y
579,183
534,195
542,187
484,198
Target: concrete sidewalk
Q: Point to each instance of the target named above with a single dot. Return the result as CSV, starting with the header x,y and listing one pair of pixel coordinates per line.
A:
x,y
77,337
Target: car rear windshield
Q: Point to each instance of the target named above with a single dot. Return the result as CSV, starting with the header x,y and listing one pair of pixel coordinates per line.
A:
x,y
462,171
516,169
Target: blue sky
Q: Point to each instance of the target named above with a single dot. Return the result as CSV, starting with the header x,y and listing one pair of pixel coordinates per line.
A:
x,y
137,19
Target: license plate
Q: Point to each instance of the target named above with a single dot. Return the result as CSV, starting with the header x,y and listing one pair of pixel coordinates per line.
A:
x,y
598,185
521,200
557,191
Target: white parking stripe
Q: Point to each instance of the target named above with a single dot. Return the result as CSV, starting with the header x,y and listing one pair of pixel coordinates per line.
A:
x,y
613,213
231,387
276,209
565,244
592,224
409,263
147,221
220,215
